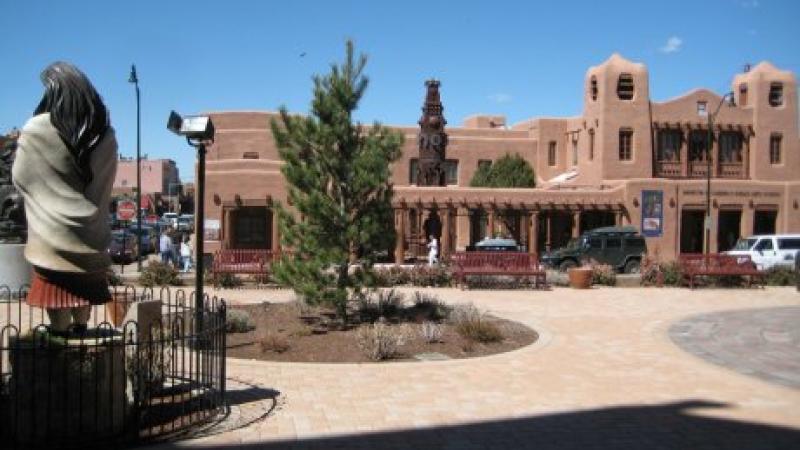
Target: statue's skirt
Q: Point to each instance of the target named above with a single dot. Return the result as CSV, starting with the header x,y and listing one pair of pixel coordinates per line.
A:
x,y
54,289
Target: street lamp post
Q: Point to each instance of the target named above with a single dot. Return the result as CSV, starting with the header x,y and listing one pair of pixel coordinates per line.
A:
x,y
709,146
172,203
135,80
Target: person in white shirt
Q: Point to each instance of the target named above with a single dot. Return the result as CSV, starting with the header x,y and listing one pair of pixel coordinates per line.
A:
x,y
186,255
433,253
165,247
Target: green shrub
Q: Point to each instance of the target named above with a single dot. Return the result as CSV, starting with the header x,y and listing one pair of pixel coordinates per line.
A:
x,y
430,276
604,275
429,307
780,276
113,278
473,325
238,321
386,303
668,272
159,274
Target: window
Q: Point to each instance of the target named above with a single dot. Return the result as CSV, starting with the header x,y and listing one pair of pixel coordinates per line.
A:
x,y
250,227
250,155
776,94
669,145
775,149
698,145
702,109
451,171
625,144
789,244
574,152
551,154
625,86
743,94
593,87
484,164
591,144
595,243
730,147
613,243
764,244
413,164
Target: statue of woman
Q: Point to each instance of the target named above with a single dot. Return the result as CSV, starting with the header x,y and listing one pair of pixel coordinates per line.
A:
x,y
64,168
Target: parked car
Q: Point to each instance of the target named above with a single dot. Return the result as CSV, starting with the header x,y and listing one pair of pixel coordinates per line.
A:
x,y
171,219
123,248
148,241
185,223
619,247
496,245
769,250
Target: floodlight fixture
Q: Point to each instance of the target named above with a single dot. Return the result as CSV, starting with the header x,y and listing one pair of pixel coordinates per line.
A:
x,y
197,128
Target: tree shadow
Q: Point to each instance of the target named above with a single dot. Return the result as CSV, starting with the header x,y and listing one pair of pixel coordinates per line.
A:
x,y
665,426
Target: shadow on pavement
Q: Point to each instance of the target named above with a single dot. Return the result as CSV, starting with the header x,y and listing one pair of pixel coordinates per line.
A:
x,y
667,426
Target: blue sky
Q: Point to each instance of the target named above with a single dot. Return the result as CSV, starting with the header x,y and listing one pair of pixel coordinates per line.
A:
x,y
522,59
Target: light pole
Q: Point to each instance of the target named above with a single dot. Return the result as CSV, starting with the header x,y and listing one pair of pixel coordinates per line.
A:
x,y
135,80
711,117
172,201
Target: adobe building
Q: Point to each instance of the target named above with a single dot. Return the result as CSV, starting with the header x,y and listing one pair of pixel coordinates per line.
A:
x,y
159,176
627,160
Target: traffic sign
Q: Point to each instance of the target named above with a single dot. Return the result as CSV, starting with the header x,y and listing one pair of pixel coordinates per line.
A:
x,y
126,210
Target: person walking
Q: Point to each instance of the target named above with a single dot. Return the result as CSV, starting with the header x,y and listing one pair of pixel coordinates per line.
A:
x,y
186,254
433,253
165,246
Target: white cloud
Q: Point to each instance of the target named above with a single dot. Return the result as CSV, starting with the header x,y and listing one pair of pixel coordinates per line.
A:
x,y
673,45
500,97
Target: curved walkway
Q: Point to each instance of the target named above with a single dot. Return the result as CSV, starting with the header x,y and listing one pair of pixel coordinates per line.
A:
x,y
604,374
764,343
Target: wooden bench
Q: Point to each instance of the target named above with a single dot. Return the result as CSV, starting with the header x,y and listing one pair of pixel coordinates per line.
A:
x,y
693,265
241,261
514,264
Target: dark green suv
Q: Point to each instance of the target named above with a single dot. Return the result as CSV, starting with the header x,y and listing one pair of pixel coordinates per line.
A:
x,y
620,247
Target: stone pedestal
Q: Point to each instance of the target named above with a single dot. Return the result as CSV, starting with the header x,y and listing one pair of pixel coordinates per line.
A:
x,y
14,268
71,388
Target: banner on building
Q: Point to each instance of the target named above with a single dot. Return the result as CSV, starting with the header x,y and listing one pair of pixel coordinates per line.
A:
x,y
211,230
652,213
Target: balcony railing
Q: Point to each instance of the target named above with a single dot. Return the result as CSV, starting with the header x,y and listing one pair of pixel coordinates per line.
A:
x,y
698,169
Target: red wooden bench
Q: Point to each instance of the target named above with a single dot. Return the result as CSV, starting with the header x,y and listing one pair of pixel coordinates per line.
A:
x,y
514,264
241,261
693,265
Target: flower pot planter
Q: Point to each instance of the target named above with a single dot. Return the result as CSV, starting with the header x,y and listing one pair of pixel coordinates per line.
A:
x,y
580,278
118,307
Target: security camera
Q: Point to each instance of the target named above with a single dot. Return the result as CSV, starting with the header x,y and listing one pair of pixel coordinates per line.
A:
x,y
193,127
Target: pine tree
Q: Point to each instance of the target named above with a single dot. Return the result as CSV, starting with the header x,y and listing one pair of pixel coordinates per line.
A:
x,y
338,185
507,172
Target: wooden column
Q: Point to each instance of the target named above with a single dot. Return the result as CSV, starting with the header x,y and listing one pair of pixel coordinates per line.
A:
x,y
462,229
533,233
490,224
576,224
548,230
684,153
227,228
400,231
444,248
620,217
746,158
276,235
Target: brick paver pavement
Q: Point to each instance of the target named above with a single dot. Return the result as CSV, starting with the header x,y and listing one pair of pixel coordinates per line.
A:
x,y
604,374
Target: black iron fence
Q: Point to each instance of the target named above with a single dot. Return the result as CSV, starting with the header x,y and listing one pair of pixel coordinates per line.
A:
x,y
149,365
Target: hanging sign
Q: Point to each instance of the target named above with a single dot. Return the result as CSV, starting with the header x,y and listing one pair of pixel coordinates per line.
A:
x,y
652,213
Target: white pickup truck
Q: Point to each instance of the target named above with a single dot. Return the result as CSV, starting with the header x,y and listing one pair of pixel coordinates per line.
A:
x,y
769,250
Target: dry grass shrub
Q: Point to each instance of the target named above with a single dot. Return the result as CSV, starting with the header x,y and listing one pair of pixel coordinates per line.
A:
x,y
238,321
430,332
273,342
380,341
604,275
473,325
387,304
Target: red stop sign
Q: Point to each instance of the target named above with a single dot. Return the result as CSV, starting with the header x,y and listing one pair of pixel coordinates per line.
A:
x,y
126,210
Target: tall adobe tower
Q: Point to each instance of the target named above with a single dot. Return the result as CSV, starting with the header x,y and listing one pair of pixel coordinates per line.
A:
x,y
432,139
616,108
771,94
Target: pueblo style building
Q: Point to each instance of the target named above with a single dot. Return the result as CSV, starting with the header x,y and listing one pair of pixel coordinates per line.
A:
x,y
627,160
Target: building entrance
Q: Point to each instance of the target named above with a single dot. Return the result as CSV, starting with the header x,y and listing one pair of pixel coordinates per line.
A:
x,y
764,221
596,219
252,228
692,235
728,229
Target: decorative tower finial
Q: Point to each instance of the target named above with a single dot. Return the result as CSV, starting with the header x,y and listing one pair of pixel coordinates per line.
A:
x,y
432,139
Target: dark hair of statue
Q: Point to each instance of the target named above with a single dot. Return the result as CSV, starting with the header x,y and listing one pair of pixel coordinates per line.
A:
x,y
76,111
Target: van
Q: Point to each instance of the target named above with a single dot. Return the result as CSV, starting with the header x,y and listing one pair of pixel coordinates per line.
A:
x,y
171,219
769,250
